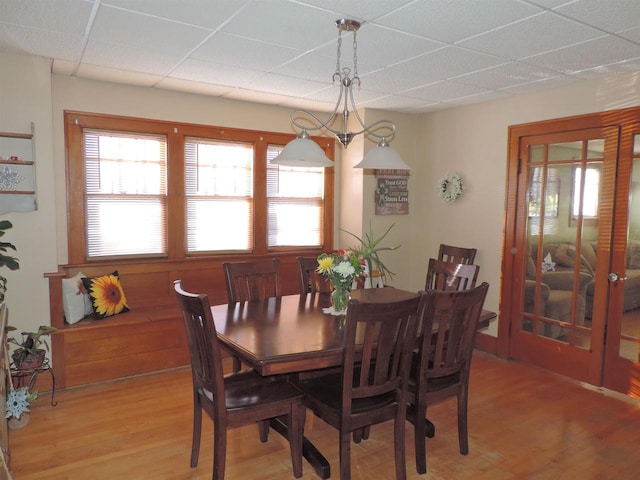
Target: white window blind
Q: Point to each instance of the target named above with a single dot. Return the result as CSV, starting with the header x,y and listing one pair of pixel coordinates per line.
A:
x,y
295,204
126,193
219,195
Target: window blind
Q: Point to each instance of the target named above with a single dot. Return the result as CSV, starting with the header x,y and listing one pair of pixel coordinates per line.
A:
x,y
126,193
219,195
295,203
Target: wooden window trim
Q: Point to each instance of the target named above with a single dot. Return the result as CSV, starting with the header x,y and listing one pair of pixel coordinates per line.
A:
x,y
175,133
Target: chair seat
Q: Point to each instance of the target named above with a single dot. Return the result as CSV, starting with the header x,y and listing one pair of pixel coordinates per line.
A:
x,y
247,388
327,389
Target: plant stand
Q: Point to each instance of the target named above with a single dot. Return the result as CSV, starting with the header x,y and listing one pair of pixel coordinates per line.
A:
x,y
23,377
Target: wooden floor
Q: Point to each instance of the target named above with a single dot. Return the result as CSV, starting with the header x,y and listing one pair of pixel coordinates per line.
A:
x,y
525,423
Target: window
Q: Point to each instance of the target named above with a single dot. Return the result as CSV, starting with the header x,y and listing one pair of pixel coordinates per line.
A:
x,y
295,199
219,191
585,200
126,194
146,188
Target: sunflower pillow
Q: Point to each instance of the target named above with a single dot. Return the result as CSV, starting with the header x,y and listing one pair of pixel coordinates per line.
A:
x,y
106,295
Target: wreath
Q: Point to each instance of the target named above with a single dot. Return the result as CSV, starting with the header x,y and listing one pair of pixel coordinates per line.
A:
x,y
450,187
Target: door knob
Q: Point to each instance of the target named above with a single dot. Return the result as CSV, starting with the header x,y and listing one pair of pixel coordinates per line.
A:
x,y
614,277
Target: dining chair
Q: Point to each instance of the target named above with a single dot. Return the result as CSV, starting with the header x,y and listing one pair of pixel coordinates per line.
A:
x,y
447,324
253,280
310,280
236,399
370,387
450,276
450,253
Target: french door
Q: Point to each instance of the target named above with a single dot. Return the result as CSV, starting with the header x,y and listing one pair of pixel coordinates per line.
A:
x,y
569,293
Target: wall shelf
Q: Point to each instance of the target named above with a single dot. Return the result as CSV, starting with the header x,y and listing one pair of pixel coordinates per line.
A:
x,y
17,172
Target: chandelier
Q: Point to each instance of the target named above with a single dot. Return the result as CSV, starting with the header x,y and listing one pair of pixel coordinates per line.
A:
x,y
304,152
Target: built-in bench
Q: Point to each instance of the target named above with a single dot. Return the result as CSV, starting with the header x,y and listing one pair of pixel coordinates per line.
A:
x,y
151,336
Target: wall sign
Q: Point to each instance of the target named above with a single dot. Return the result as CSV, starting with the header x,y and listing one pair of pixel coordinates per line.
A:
x,y
392,194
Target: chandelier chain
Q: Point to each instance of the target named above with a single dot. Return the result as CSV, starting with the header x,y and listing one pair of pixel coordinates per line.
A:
x,y
355,55
339,53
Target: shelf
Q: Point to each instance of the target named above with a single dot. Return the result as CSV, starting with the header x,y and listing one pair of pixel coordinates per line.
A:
x,y
16,162
26,136
18,192
17,172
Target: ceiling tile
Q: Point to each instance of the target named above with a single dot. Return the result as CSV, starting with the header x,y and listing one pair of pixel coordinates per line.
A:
x,y
444,91
119,27
129,58
587,55
513,41
506,75
206,72
435,19
284,23
610,16
203,13
243,52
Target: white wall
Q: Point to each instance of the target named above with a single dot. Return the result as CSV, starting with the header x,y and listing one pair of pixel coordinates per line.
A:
x,y
473,142
25,97
470,140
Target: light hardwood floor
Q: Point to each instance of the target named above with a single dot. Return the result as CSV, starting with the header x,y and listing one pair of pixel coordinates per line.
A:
x,y
525,423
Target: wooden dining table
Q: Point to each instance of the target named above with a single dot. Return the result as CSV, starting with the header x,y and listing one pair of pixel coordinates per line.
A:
x,y
292,334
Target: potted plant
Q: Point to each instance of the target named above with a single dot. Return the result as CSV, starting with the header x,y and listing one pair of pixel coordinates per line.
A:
x,y
18,400
369,249
30,355
6,260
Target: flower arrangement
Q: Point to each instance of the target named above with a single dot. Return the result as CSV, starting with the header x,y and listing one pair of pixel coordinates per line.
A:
x,y
450,187
342,268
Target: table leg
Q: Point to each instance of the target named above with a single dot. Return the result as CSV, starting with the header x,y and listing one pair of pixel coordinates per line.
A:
x,y
309,450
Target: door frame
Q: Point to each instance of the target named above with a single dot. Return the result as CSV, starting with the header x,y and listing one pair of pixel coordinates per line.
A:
x,y
512,277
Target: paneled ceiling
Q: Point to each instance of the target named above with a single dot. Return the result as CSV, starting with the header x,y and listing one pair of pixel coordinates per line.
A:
x,y
413,55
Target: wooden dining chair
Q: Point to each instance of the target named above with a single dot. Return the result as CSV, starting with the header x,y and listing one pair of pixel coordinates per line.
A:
x,y
447,326
310,280
450,276
452,254
371,385
253,280
237,399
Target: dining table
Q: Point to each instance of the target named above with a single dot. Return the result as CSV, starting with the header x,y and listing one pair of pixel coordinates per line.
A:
x,y
292,334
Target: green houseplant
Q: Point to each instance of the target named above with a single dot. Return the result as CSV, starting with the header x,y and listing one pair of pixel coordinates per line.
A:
x,y
30,355
370,248
6,260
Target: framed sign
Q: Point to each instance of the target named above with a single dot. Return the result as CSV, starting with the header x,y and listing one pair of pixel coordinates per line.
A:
x,y
391,193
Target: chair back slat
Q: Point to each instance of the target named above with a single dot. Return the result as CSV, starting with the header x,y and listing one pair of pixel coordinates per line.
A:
x,y
256,280
450,276
452,254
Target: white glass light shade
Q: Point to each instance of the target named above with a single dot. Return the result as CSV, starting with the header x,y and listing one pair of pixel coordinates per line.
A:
x,y
302,152
383,157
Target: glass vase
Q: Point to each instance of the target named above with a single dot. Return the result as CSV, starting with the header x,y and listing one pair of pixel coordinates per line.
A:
x,y
340,298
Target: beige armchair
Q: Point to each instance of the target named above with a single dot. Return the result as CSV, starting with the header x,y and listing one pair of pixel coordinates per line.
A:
x,y
556,290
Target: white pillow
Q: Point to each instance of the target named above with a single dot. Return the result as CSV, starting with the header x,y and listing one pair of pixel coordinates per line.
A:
x,y
75,301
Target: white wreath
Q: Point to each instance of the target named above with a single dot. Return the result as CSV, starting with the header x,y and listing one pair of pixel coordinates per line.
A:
x,y
450,187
